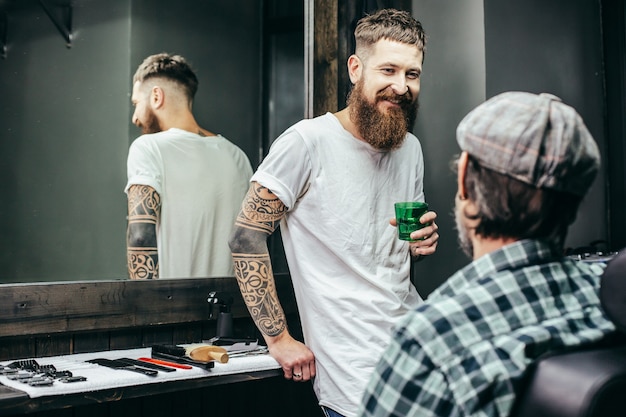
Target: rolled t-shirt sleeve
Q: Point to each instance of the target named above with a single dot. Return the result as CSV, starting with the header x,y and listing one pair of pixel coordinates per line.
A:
x,y
286,169
143,166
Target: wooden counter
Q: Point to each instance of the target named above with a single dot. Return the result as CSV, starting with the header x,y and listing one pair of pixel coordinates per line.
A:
x,y
40,320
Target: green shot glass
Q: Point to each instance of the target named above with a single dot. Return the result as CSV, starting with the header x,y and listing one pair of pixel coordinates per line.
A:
x,y
408,218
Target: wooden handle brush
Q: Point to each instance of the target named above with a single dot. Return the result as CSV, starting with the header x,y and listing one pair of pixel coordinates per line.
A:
x,y
205,353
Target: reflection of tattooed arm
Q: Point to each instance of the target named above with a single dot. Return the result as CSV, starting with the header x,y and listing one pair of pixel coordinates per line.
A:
x,y
260,215
144,209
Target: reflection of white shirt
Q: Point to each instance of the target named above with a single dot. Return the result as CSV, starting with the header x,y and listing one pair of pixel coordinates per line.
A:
x,y
202,182
350,272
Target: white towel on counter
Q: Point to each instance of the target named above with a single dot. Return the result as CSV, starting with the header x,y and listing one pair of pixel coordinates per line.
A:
x,y
100,377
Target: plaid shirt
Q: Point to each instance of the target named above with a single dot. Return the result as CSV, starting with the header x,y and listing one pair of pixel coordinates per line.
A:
x,y
463,352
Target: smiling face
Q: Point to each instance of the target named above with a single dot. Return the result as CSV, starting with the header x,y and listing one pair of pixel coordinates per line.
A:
x,y
383,104
389,67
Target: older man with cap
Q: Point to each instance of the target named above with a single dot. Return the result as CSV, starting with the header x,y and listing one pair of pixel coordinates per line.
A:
x,y
527,161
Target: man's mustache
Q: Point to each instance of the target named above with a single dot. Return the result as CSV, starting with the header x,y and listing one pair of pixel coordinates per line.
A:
x,y
401,99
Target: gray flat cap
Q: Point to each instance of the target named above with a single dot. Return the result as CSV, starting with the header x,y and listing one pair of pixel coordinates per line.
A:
x,y
534,138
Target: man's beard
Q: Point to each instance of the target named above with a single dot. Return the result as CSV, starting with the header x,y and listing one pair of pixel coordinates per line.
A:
x,y
151,124
382,130
463,233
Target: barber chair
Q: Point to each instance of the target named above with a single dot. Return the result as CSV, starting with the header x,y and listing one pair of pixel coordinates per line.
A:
x,y
589,382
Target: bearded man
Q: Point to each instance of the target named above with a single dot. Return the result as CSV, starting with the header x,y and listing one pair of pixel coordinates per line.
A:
x,y
331,183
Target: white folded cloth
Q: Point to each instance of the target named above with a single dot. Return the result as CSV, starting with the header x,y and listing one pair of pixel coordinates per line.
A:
x,y
100,377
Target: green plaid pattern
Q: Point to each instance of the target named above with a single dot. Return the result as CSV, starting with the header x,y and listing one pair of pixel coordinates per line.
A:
x,y
463,352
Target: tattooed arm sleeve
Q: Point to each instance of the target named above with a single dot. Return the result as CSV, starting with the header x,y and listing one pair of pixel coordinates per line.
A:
x,y
144,209
260,215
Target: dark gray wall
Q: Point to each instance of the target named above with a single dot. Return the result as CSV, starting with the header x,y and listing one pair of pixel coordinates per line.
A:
x,y
65,121
223,42
614,35
63,142
554,46
477,49
453,82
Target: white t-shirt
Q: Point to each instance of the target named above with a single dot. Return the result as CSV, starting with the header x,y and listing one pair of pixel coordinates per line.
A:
x,y
350,272
201,182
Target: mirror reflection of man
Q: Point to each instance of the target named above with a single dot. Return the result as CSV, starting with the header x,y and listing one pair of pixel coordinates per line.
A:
x,y
185,184
331,183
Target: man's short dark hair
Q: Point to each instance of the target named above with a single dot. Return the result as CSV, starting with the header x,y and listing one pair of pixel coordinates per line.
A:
x,y
509,208
171,67
390,24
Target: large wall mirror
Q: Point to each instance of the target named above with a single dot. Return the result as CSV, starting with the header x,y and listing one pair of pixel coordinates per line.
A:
x,y
65,111
65,82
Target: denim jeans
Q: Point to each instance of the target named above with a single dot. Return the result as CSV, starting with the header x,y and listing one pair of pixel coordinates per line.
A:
x,y
330,413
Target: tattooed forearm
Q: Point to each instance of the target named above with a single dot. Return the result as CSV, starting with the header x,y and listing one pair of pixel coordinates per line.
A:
x,y
260,215
143,264
256,283
144,209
